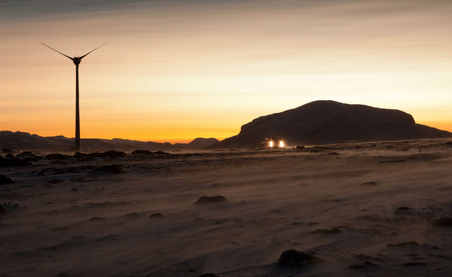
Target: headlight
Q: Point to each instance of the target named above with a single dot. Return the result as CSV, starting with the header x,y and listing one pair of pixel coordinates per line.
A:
x,y
281,143
270,144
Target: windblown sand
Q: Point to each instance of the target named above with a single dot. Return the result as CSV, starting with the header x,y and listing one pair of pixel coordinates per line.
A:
x,y
363,209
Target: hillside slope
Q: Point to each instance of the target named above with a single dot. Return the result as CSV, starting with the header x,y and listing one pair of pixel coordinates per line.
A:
x,y
325,122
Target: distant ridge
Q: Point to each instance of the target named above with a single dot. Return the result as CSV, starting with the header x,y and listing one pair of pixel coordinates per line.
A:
x,y
326,122
21,141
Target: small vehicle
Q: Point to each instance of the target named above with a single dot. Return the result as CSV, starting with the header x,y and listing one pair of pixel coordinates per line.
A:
x,y
273,142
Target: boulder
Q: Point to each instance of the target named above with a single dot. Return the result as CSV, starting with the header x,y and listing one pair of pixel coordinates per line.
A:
x,y
113,154
57,156
296,259
326,231
5,180
156,215
442,222
7,150
211,199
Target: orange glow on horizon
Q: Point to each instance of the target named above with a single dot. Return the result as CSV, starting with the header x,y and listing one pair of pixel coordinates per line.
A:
x,y
173,72
441,125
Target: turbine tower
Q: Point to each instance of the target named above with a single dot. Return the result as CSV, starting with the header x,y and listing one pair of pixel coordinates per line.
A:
x,y
76,61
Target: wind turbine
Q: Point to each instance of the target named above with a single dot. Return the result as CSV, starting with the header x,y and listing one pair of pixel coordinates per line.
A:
x,y
76,61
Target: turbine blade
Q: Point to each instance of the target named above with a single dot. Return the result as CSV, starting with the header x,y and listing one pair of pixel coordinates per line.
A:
x,y
58,51
93,50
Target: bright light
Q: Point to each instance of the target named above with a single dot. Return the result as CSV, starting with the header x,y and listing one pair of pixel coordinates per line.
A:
x,y
271,144
281,143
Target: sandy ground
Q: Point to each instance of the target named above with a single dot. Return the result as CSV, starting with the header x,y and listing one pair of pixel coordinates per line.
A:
x,y
361,209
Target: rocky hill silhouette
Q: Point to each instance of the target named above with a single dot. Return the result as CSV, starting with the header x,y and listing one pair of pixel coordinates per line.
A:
x,y
22,141
326,122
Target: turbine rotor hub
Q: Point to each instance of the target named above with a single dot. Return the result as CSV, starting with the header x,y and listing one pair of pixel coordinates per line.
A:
x,y
76,60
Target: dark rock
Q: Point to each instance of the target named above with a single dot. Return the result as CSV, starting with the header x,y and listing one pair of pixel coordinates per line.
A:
x,y
356,266
7,150
363,257
160,152
370,263
211,199
113,169
14,162
296,259
403,244
403,211
110,237
141,152
392,161
58,162
55,181
31,159
326,231
369,184
113,154
5,180
2,210
26,154
442,222
84,180
74,190
209,275
413,264
96,219
156,215
10,206
57,156
81,156
9,156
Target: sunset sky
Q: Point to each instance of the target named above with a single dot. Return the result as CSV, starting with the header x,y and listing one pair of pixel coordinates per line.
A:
x,y
177,70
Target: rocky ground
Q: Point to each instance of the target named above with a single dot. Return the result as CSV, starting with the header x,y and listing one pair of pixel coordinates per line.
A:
x,y
355,209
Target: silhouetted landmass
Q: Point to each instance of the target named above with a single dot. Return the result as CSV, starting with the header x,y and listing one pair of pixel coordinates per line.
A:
x,y
326,122
21,141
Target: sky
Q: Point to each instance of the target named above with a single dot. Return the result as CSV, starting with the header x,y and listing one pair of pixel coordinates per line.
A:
x,y
176,70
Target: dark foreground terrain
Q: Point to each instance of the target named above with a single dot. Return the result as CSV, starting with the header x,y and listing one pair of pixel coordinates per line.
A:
x,y
362,209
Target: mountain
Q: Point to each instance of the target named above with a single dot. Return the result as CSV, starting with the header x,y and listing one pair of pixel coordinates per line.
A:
x,y
326,122
200,143
21,141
